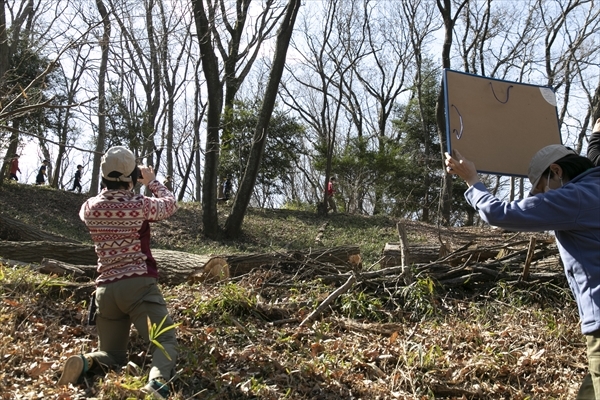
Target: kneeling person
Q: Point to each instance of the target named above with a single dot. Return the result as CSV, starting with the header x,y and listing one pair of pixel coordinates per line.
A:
x,y
126,287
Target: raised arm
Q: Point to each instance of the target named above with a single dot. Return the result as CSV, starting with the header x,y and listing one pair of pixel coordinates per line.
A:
x,y
593,152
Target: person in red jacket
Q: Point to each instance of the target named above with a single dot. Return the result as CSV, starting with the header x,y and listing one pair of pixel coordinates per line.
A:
x,y
14,168
126,287
330,192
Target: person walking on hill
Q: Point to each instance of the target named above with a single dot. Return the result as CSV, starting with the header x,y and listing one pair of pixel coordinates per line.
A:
x,y
77,180
564,198
14,168
126,286
40,179
227,186
168,182
330,193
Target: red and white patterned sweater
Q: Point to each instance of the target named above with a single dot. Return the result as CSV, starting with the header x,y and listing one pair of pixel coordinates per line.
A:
x,y
118,221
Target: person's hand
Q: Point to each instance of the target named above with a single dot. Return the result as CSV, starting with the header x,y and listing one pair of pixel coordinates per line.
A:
x,y
458,165
147,175
596,126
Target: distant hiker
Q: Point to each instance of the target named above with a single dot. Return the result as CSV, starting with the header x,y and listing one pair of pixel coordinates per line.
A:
x,y
593,151
168,182
126,286
77,180
330,192
40,179
227,188
14,168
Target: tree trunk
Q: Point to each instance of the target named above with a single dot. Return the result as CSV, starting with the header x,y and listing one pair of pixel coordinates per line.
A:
x,y
104,45
10,152
34,252
446,12
233,225
174,267
15,230
210,66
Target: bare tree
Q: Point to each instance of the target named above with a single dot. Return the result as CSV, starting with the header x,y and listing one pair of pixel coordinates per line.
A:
x,y
100,138
421,24
382,69
192,162
210,16
233,225
445,8
317,87
175,55
143,49
570,30
8,46
210,68
64,119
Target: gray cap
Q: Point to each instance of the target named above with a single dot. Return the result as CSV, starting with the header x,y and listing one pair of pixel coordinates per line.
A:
x,y
118,159
542,160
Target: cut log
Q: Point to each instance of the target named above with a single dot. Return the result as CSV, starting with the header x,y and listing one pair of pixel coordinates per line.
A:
x,y
392,254
339,256
177,267
174,267
34,252
215,270
15,230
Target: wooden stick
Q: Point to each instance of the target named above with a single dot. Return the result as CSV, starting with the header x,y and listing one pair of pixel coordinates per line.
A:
x,y
404,253
528,259
336,293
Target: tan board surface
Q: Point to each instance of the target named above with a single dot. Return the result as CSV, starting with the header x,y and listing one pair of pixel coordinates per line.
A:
x,y
499,125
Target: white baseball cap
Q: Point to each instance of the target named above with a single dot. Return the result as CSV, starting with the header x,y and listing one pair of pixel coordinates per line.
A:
x,y
542,160
118,159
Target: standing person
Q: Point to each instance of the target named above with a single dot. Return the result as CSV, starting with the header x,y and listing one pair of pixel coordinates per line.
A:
x,y
40,179
77,180
14,168
227,188
168,182
330,192
126,287
565,198
593,151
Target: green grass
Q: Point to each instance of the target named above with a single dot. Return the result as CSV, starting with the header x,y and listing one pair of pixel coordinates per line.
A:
x,y
263,230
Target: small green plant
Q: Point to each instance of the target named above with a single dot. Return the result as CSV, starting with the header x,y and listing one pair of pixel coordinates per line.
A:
x,y
24,279
420,299
231,300
121,386
362,305
154,333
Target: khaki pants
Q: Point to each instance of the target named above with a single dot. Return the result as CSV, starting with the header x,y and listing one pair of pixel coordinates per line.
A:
x,y
331,204
130,301
590,387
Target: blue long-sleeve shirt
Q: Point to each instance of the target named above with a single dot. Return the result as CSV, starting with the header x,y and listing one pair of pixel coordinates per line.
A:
x,y
573,213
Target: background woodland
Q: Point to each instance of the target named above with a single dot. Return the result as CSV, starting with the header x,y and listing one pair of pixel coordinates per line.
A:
x,y
280,95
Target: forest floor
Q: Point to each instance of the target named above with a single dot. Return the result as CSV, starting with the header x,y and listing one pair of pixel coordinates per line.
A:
x,y
242,339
